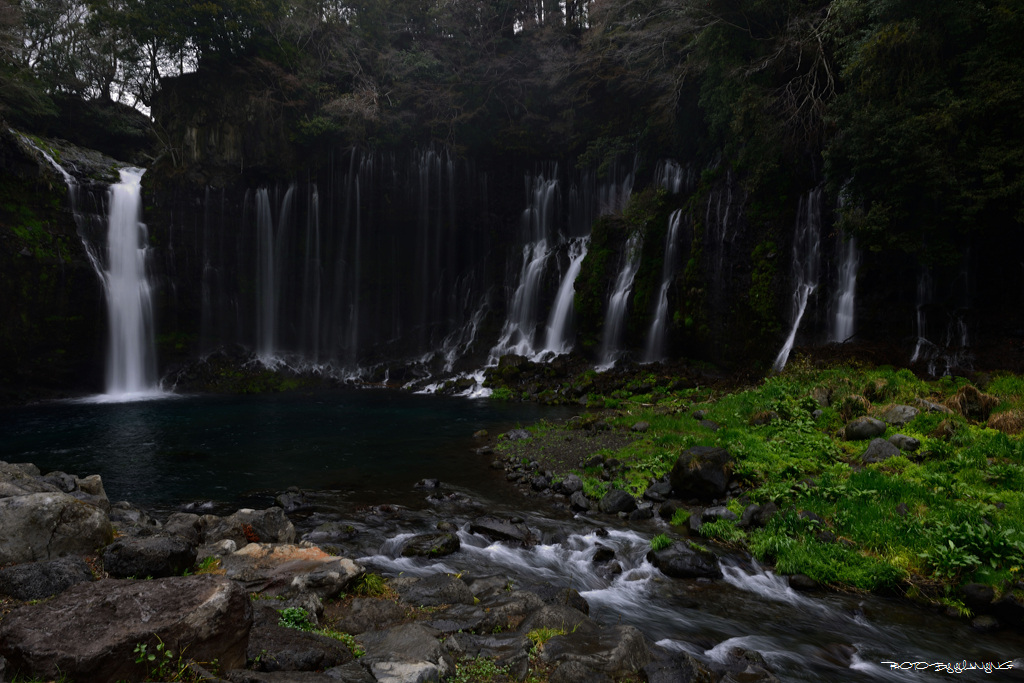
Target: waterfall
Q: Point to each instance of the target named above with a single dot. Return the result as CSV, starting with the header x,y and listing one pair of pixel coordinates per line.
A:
x,y
847,260
521,325
806,257
131,368
614,320
674,177
655,350
266,304
559,339
537,226
953,351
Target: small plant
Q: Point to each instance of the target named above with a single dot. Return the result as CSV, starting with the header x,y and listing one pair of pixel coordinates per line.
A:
x,y
680,517
295,617
346,638
660,542
373,586
539,636
479,670
159,662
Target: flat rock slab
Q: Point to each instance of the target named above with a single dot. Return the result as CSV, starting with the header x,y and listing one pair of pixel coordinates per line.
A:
x,y
89,633
288,569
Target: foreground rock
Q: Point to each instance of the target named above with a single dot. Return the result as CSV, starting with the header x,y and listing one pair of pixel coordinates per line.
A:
x,y
290,570
702,472
90,633
45,526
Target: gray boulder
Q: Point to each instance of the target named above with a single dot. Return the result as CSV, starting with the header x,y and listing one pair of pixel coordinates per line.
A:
x,y
569,485
904,442
899,415
279,648
410,648
879,450
616,651
88,635
45,526
680,562
616,501
436,589
863,428
149,557
370,614
290,569
502,530
510,650
431,545
670,666
558,617
577,672
250,526
702,472
38,580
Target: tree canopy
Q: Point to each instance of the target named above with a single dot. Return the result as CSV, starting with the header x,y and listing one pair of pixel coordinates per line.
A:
x,y
909,109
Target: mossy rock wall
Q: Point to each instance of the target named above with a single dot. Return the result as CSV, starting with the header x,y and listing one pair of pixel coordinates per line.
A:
x,y
51,301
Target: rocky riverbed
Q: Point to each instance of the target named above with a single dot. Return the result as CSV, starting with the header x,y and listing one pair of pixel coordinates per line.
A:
x,y
96,591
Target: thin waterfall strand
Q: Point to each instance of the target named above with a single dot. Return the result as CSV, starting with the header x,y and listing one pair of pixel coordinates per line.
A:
x,y
656,336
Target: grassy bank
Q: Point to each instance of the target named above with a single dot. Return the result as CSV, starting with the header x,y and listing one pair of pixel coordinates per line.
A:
x,y
923,523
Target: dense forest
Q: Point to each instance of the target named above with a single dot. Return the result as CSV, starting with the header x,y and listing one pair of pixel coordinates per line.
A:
x,y
910,109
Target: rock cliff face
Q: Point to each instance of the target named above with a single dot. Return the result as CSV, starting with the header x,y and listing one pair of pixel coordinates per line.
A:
x,y
51,301
363,258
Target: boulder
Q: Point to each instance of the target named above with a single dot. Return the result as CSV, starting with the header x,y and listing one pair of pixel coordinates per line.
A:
x,y
879,450
579,502
436,589
507,611
187,525
402,647
569,485
149,557
38,580
369,614
904,442
577,672
680,562
290,569
569,597
658,492
250,526
702,472
616,651
431,545
616,501
671,666
510,650
898,415
90,632
863,428
279,648
45,526
502,530
561,617
717,512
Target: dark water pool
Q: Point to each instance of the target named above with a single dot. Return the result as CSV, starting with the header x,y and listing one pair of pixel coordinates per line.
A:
x,y
164,452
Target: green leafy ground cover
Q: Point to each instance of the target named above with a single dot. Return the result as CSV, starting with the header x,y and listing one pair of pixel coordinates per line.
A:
x,y
923,523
